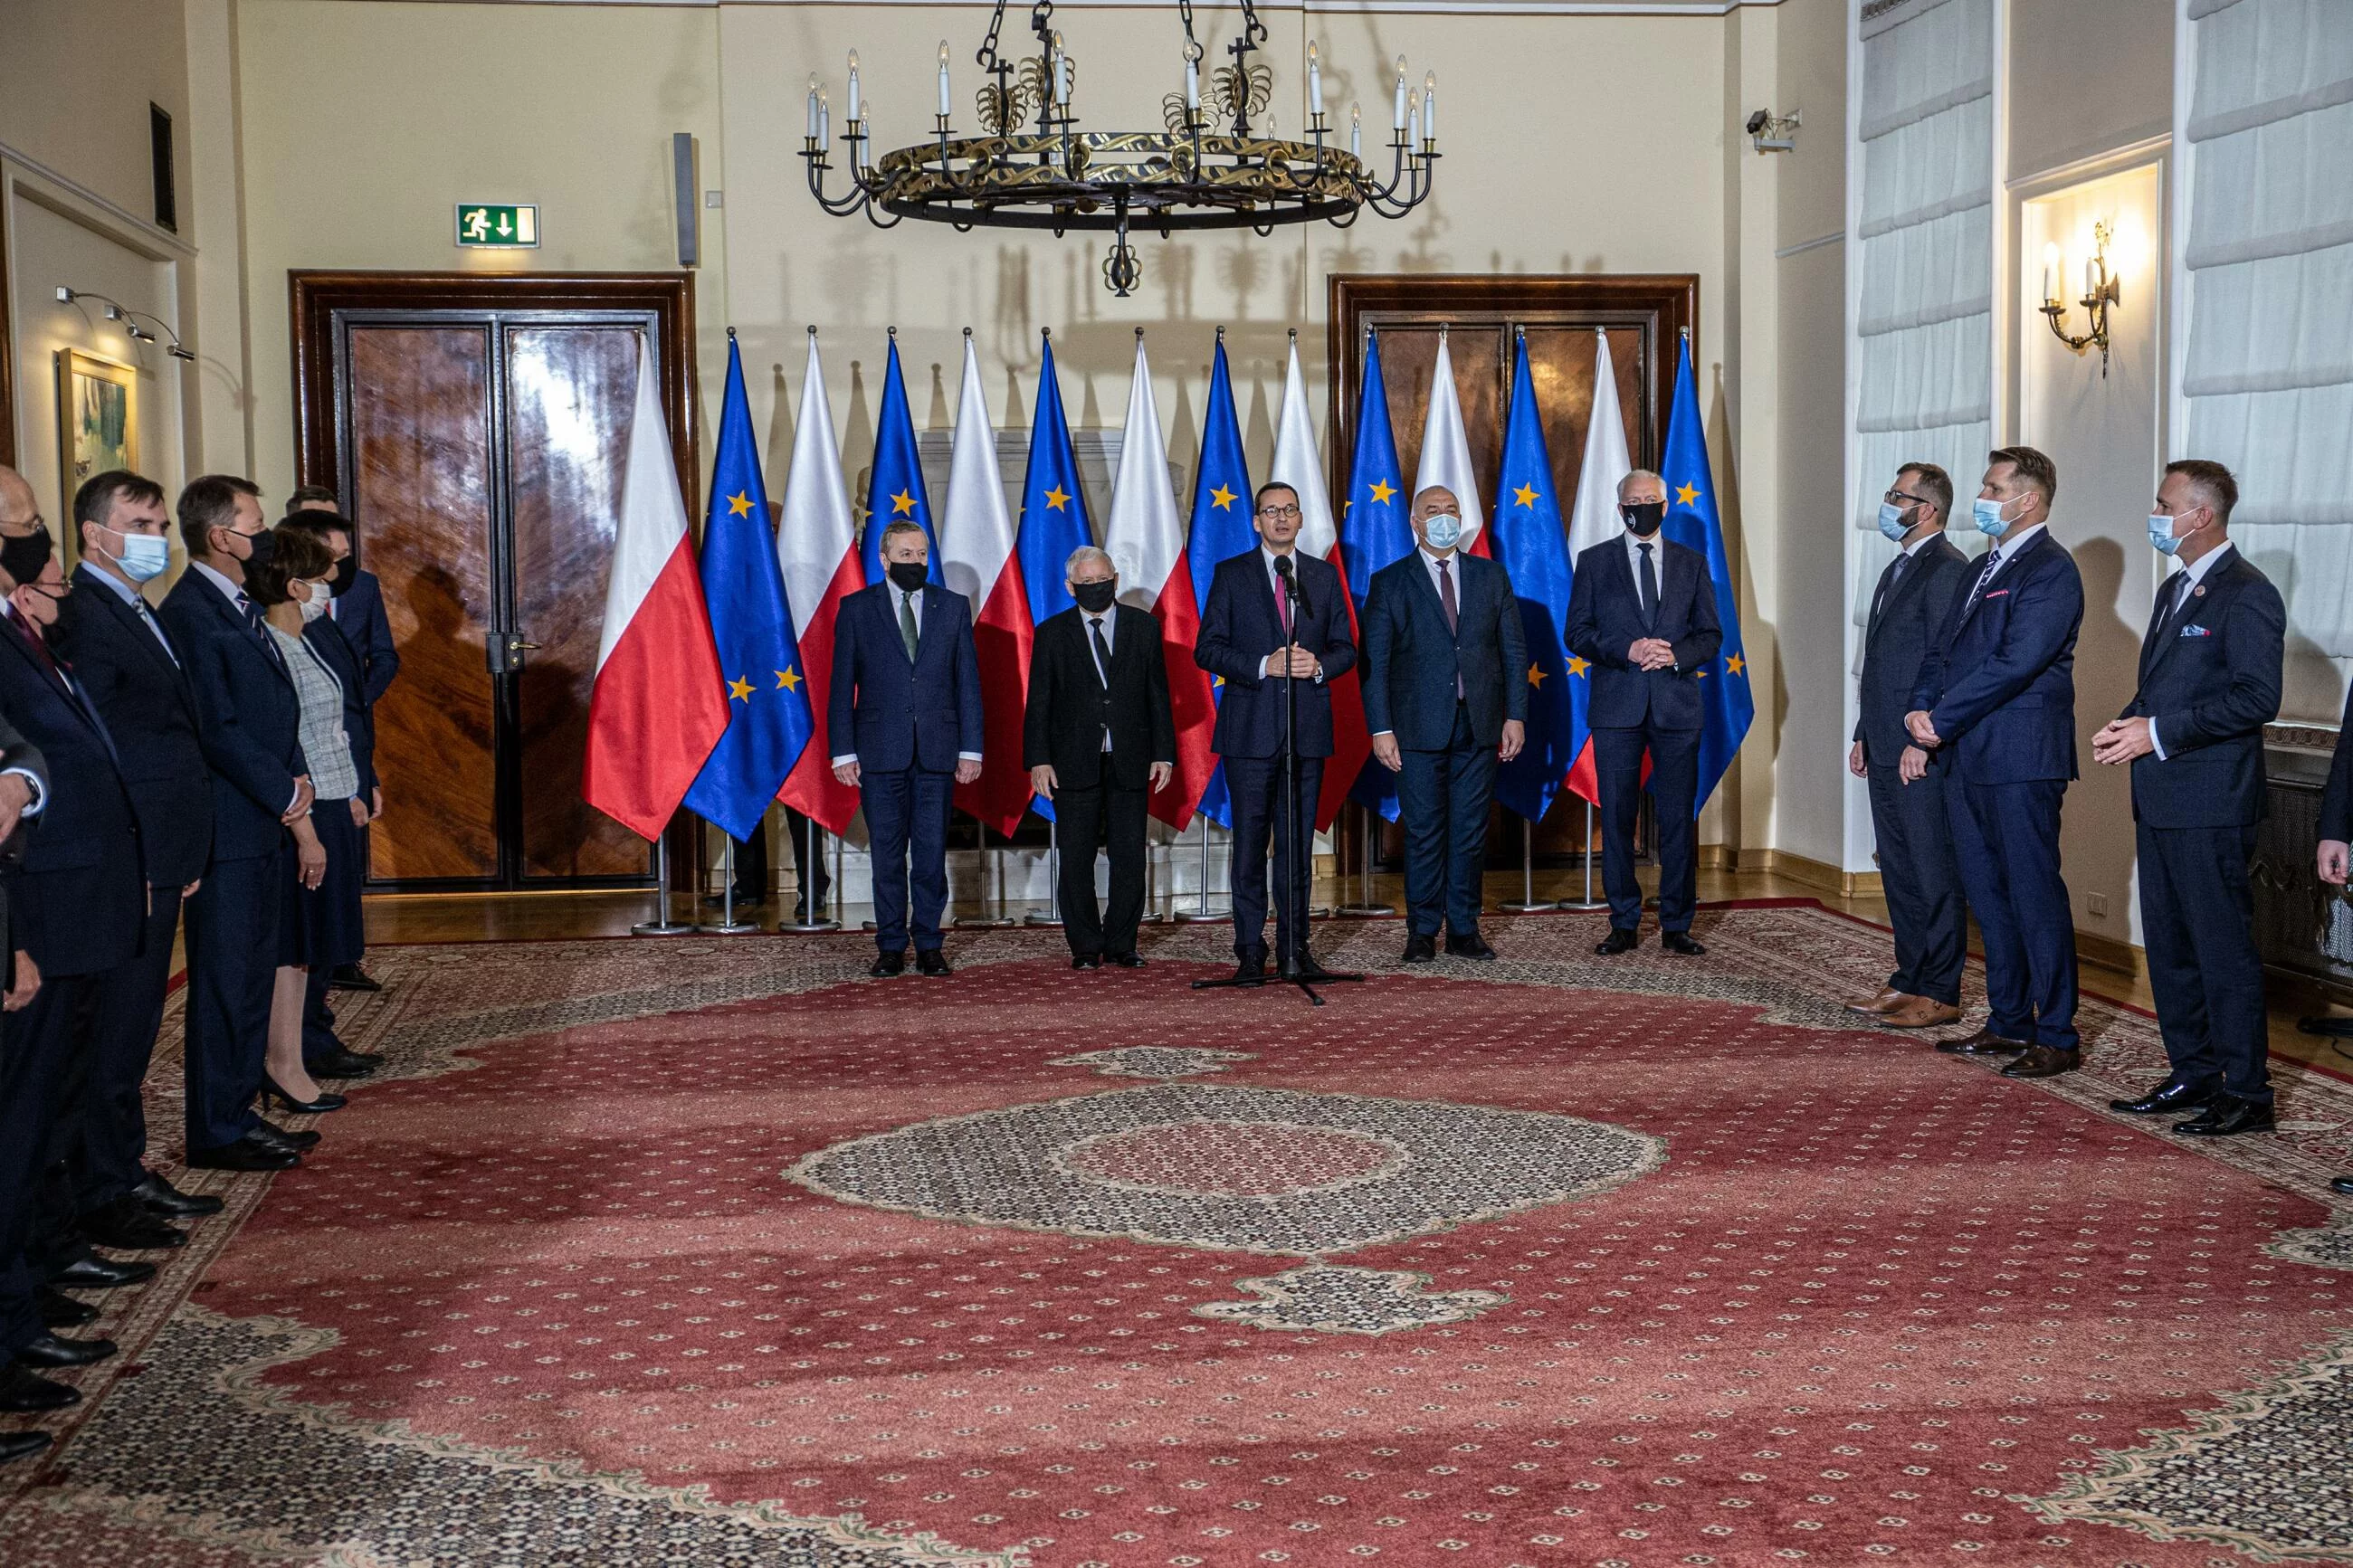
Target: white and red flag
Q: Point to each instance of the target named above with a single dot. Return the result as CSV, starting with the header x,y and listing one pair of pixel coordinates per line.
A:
x,y
1446,452
816,547
977,560
1298,465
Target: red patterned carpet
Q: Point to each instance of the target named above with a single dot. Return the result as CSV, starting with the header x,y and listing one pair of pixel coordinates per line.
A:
x,y
714,1252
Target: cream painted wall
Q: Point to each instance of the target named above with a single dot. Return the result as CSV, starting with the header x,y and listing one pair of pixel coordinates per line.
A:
x,y
76,78
2102,433
2087,76
570,107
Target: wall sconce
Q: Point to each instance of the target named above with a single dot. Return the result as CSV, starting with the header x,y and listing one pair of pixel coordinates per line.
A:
x,y
130,319
2102,289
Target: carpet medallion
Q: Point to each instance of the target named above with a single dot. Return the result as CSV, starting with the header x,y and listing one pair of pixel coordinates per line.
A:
x,y
712,1252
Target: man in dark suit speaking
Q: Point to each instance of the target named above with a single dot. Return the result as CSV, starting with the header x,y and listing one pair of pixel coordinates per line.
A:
x,y
1915,841
1274,628
906,693
1446,698
1642,611
2210,681
1997,688
1098,734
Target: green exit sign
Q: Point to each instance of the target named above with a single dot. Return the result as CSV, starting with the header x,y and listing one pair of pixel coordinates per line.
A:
x,y
497,227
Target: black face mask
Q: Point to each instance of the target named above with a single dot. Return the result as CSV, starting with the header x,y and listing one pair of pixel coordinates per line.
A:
x,y
261,546
339,581
1094,598
22,557
909,576
1644,517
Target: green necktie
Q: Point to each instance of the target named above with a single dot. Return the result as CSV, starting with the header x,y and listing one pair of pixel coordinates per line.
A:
x,y
907,624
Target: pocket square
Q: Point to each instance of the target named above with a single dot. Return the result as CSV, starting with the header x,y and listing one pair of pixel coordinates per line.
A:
x,y
2196,631
1999,594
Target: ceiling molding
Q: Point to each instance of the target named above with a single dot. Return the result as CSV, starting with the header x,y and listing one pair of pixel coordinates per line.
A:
x,y
1317,8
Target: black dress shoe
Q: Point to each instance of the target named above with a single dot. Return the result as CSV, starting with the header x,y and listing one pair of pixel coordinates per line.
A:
x,y
21,1388
1306,967
342,1063
1984,1043
2228,1115
931,961
352,977
2041,1061
102,1273
318,1104
163,1198
248,1154
1619,940
2169,1096
126,1226
2340,1183
887,964
1471,946
1421,947
1131,959
48,1351
278,1137
59,1310
23,1444
1250,965
1086,961
1680,942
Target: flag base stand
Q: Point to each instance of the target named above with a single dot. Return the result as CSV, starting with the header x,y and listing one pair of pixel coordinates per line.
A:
x,y
1051,919
1366,910
1205,915
1527,903
1587,904
728,924
819,925
985,921
661,924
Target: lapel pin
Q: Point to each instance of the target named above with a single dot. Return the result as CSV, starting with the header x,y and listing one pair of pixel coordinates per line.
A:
x,y
2197,591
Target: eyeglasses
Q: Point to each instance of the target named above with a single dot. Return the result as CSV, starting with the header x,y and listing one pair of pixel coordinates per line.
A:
x,y
1280,514
1892,497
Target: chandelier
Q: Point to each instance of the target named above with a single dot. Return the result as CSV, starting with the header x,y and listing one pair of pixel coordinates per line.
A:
x,y
1032,167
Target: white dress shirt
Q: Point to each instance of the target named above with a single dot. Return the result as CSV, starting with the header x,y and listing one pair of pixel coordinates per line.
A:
x,y
1274,581
1452,560
138,602
914,603
2196,572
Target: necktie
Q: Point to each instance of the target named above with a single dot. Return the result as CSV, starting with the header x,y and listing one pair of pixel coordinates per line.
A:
x,y
41,653
1453,617
907,624
147,618
1649,581
261,630
1886,587
1103,650
1992,565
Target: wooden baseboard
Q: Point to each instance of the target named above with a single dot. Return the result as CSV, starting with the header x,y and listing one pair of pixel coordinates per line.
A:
x,y
2108,953
1797,869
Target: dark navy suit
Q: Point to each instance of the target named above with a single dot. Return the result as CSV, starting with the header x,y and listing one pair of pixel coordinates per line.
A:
x,y
250,731
24,1113
143,696
907,723
2210,681
358,613
1999,685
1241,625
1444,691
77,900
1632,711
1916,869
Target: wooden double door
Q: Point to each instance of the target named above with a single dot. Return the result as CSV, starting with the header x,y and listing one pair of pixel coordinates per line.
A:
x,y
475,428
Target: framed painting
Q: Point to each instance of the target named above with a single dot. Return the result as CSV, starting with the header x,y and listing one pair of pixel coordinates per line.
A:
x,y
98,426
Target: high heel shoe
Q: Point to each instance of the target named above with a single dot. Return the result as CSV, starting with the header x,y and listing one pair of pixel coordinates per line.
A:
x,y
322,1104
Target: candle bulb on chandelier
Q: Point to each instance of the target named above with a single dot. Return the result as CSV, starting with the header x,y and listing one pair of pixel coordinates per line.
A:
x,y
824,121
812,107
1314,81
1429,106
1397,115
943,79
1413,122
2090,287
1355,132
853,87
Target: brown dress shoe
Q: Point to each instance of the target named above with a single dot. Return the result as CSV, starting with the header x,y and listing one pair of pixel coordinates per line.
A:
x,y
1920,1012
1887,1001
1984,1043
2041,1061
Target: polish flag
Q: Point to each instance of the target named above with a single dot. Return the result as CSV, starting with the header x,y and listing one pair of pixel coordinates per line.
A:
x,y
1595,521
1446,452
817,550
659,705
1298,465
977,560
1146,540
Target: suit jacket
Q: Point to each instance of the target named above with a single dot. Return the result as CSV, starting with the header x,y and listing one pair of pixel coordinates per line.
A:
x,y
250,721
2337,797
900,714
15,752
337,653
151,710
1897,638
1999,677
1412,661
2209,680
359,616
1605,619
1241,625
1070,708
78,894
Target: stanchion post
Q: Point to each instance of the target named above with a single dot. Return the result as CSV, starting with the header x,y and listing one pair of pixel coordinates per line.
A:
x,y
728,924
1527,904
661,924
1587,902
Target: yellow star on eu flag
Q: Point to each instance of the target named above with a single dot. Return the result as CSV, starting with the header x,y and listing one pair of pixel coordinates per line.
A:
x,y
902,505
1578,665
1383,490
1537,676
740,688
739,505
1525,495
1056,500
1216,681
1223,497
1686,494
788,679
1735,664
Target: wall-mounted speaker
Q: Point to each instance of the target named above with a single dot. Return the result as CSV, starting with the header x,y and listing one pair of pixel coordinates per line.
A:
x,y
683,186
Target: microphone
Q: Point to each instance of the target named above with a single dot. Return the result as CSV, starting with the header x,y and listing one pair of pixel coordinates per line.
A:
x,y
1284,570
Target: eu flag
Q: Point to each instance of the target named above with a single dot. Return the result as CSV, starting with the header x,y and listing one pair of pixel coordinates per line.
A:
x,y
1053,513
1373,532
1534,548
1728,709
894,489
1221,527
767,703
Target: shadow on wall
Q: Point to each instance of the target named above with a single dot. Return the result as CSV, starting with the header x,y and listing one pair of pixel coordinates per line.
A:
x,y
2310,683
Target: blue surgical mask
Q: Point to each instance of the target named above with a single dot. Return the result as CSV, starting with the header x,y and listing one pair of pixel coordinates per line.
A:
x,y
1892,520
1442,532
2160,532
1987,514
144,555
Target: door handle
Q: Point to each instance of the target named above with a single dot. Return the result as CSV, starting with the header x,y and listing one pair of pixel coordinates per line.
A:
x,y
519,645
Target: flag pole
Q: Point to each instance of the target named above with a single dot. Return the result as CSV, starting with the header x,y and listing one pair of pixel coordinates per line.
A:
x,y
1527,904
728,924
1053,915
1586,903
812,919
986,921
1364,907
661,924
1204,915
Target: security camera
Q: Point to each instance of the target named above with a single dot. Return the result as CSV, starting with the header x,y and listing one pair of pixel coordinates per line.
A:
x,y
1759,120
1772,132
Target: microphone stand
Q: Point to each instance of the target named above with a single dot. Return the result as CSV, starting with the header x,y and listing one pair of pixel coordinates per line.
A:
x,y
1288,970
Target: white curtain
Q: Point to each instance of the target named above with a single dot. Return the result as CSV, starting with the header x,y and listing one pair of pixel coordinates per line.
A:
x,y
1923,326
2268,378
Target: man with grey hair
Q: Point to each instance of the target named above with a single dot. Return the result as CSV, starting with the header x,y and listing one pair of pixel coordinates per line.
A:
x,y
1099,739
